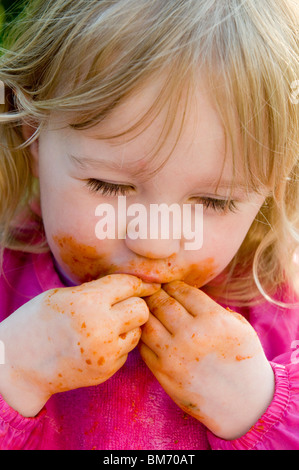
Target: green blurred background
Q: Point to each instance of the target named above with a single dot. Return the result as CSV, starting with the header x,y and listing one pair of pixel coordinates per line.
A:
x,y
9,9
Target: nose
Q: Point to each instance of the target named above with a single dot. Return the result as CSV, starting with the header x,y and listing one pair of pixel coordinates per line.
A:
x,y
152,237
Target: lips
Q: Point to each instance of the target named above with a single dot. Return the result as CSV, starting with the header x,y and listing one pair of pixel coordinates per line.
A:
x,y
148,277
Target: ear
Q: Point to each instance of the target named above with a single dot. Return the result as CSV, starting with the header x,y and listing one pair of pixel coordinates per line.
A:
x,y
28,131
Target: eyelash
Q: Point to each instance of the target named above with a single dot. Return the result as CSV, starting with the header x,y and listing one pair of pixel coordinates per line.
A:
x,y
110,189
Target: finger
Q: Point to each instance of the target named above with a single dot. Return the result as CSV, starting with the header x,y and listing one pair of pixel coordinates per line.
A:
x,y
131,313
149,357
168,311
155,336
128,341
193,299
153,362
119,362
119,287
166,377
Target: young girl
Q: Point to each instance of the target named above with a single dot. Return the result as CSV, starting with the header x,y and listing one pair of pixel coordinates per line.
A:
x,y
136,342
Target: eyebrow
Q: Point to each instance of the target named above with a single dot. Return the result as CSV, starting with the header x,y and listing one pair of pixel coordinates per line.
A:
x,y
90,162
85,162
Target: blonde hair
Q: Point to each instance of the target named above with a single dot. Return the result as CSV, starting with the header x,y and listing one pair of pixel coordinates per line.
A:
x,y
84,58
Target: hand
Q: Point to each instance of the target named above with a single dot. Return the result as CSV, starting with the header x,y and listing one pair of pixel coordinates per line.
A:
x,y
207,358
70,337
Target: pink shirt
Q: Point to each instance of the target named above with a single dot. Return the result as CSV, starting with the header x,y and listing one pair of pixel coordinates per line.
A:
x,y
131,409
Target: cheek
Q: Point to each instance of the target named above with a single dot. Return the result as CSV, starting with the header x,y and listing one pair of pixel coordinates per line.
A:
x,y
82,261
200,273
220,244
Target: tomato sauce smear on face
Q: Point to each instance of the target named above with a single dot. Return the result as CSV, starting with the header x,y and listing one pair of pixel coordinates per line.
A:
x,y
85,264
82,261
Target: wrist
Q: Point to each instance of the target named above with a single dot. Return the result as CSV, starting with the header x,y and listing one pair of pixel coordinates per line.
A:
x,y
21,386
259,435
21,394
243,413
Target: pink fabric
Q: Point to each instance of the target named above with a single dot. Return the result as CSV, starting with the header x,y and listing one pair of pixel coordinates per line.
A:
x,y
131,410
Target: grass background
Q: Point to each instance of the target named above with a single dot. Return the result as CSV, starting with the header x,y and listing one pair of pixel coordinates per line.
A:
x,y
9,9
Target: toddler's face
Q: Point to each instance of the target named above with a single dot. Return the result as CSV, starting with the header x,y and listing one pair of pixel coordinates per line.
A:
x,y
73,164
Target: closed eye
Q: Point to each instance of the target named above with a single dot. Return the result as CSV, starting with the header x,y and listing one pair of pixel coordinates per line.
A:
x,y
218,205
108,189
113,189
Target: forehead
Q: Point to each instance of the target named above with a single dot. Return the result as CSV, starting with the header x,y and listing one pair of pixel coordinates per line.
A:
x,y
145,134
142,134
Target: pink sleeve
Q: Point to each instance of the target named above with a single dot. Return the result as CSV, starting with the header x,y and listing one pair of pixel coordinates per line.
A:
x,y
17,432
278,428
